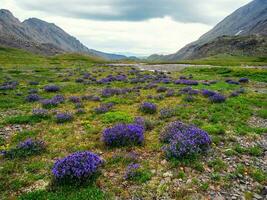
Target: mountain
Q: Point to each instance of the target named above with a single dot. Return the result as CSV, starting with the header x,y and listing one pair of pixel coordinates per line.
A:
x,y
42,37
249,20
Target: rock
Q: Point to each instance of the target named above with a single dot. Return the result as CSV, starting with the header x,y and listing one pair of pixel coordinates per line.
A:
x,y
264,191
168,174
257,196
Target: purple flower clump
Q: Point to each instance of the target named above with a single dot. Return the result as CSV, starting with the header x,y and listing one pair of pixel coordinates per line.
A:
x,y
40,113
148,108
26,148
232,82
33,98
184,140
63,117
104,108
208,93
243,80
186,82
53,102
10,85
51,88
123,135
217,98
162,89
78,166
75,99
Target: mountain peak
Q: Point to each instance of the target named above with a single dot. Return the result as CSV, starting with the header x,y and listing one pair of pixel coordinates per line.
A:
x,y
37,21
4,12
6,15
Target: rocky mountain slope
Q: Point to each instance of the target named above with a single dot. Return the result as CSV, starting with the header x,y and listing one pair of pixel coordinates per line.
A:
x,y
249,20
42,37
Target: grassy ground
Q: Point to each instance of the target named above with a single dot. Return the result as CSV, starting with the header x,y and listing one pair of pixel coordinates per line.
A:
x,y
227,60
237,152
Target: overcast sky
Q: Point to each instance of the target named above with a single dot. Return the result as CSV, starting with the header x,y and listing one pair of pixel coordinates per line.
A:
x,y
140,27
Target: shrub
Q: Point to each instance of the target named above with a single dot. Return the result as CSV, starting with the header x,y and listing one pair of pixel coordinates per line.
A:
x,y
162,89
50,103
104,108
32,98
76,167
10,85
243,80
64,117
42,113
51,88
75,99
26,148
184,140
186,82
148,108
123,135
217,98
33,83
170,93
208,93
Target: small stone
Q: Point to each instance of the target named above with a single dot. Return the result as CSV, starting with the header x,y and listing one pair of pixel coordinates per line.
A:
x,y
257,196
168,174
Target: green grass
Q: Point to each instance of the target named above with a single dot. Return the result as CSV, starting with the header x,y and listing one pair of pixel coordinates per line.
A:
x,y
225,60
92,193
116,117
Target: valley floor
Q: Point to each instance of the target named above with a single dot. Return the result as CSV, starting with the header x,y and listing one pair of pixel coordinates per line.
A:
x,y
235,167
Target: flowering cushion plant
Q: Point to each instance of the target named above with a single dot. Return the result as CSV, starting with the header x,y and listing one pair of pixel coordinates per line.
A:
x,y
184,140
26,148
148,107
76,167
123,135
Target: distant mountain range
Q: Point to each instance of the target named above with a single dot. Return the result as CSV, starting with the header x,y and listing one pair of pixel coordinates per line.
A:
x,y
244,32
42,37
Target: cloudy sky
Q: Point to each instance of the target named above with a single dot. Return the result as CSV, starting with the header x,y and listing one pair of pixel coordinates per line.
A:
x,y
139,27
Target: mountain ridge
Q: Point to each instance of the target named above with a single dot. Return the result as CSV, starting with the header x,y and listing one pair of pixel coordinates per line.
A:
x,y
249,20
42,37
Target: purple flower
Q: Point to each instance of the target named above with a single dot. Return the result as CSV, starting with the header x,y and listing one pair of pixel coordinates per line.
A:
x,y
33,83
232,82
162,89
148,108
184,140
40,113
76,167
32,98
243,80
63,117
10,85
132,171
208,93
51,88
170,93
26,148
186,82
75,99
104,108
123,135
217,98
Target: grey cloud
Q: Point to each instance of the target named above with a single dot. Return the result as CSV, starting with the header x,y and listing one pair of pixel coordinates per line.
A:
x,y
130,10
